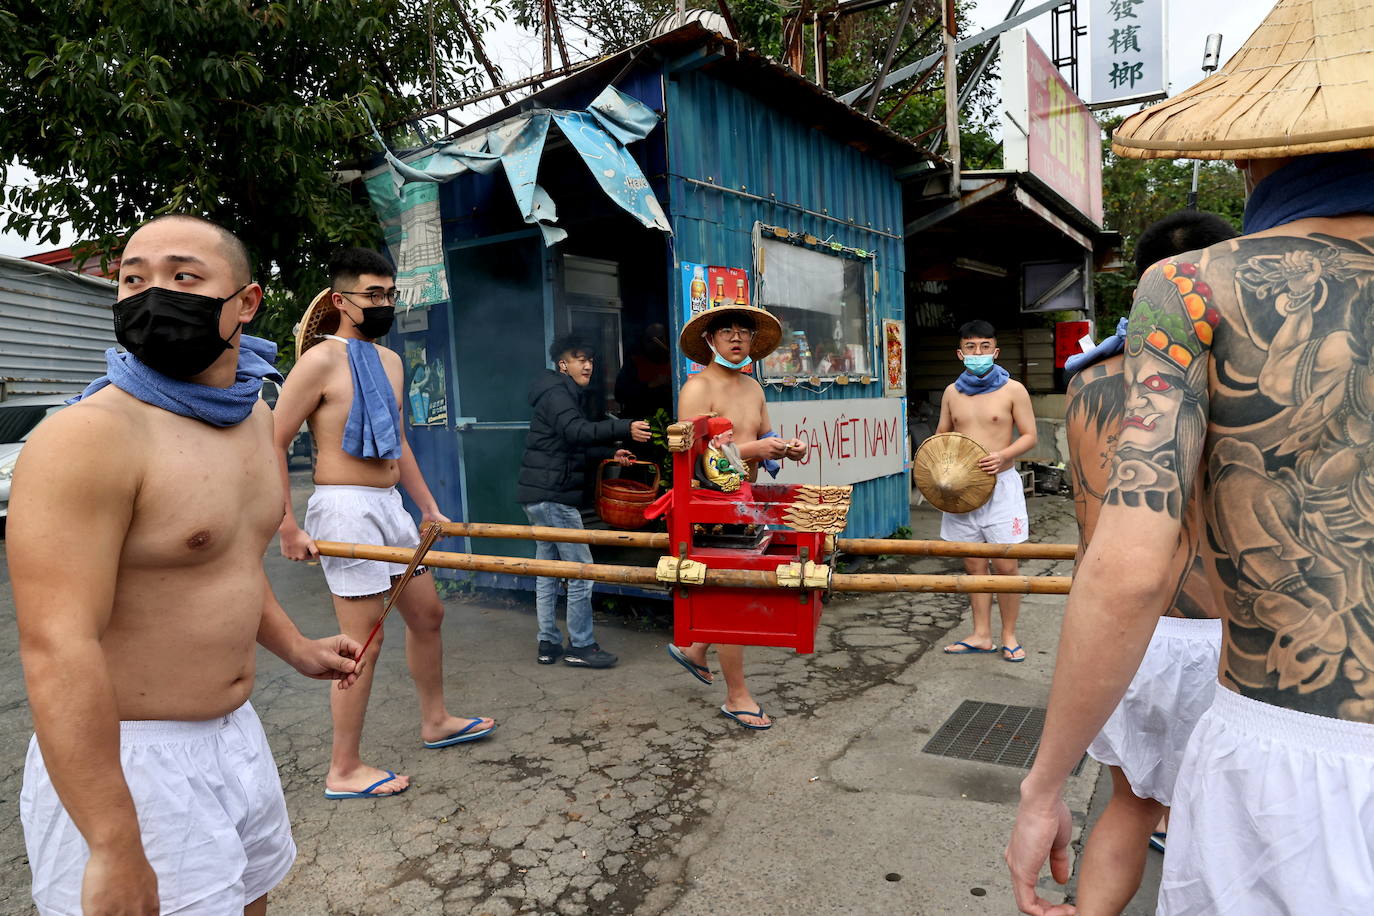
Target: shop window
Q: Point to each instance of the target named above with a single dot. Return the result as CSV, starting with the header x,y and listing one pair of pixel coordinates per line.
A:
x,y
821,297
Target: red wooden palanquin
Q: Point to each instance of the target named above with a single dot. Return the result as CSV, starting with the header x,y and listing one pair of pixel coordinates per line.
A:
x,y
783,617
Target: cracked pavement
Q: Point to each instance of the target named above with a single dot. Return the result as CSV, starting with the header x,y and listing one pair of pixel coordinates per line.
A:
x,y
624,790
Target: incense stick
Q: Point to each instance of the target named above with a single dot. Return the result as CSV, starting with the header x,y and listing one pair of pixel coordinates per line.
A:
x,y
433,531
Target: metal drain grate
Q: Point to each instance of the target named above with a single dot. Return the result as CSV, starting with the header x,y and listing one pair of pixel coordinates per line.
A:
x,y
991,733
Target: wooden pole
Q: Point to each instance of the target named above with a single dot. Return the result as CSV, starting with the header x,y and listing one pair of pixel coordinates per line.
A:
x,y
952,95
1027,551
1022,585
565,535
717,578
856,546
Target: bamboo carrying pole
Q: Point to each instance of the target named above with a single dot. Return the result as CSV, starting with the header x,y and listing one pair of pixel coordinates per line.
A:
x,y
856,546
719,578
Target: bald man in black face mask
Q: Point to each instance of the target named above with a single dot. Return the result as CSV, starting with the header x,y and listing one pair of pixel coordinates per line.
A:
x,y
137,527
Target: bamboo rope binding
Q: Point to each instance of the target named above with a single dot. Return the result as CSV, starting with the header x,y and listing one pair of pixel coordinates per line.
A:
x,y
856,546
722,578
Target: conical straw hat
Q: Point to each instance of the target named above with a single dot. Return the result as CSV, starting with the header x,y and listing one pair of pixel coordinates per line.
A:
x,y
948,475
767,332
1303,83
320,318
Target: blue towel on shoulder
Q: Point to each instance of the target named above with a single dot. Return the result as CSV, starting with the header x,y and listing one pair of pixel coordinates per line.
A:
x,y
373,428
1110,346
216,406
968,383
771,465
1323,184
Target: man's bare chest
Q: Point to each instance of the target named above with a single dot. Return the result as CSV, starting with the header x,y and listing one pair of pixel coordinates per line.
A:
x,y
206,494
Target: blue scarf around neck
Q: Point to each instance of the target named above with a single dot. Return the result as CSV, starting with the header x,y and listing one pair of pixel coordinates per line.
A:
x,y
373,427
968,383
216,406
1110,346
1323,184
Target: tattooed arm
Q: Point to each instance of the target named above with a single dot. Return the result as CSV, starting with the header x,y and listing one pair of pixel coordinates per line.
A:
x,y
1117,596
1096,400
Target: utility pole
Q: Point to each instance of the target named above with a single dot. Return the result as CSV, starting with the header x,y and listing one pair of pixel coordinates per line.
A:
x,y
951,31
1211,58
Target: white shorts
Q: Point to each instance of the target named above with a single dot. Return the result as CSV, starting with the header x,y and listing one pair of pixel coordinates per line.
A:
x,y
1149,728
210,810
1273,814
360,515
1000,520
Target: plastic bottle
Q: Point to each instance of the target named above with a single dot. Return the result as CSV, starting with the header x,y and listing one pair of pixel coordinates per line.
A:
x,y
698,294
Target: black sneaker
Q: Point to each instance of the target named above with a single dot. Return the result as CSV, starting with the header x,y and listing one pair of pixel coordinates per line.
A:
x,y
548,652
592,656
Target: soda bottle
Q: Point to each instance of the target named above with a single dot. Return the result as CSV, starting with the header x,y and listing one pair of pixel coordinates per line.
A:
x,y
698,294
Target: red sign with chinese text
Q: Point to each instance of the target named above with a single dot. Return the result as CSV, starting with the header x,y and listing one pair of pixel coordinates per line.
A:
x,y
1067,335
1064,138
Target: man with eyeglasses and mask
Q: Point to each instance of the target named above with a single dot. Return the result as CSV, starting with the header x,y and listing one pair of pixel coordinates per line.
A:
x,y
136,534
727,339
348,389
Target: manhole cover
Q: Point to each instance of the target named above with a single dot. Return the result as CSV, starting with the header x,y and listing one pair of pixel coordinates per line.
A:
x,y
991,733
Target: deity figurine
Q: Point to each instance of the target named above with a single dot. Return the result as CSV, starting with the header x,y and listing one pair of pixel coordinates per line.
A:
x,y
721,467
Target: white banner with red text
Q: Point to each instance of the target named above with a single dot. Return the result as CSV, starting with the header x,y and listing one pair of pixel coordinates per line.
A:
x,y
850,440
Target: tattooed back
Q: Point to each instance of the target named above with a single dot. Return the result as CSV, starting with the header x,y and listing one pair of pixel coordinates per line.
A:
x,y
1248,376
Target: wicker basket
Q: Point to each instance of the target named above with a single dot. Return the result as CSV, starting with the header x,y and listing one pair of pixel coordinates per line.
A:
x,y
621,502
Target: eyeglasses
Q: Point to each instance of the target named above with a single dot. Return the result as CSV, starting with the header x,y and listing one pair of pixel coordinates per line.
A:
x,y
736,331
375,296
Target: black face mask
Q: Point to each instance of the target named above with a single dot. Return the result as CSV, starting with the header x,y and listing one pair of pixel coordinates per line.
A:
x,y
376,321
172,332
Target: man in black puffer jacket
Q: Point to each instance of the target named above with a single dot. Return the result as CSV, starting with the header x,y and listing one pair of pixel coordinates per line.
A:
x,y
551,488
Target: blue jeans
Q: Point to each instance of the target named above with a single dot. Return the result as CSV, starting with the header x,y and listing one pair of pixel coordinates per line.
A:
x,y
558,515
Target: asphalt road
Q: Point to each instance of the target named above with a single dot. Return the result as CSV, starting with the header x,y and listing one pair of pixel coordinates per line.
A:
x,y
624,791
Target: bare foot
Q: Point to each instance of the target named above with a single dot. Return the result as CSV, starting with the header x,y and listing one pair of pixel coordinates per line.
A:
x,y
363,777
971,645
471,728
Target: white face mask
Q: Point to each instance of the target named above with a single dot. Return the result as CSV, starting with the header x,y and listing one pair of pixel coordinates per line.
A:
x,y
720,360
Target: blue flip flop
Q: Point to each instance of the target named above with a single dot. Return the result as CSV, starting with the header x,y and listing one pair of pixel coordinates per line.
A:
x,y
369,792
461,736
1009,651
969,650
697,671
736,713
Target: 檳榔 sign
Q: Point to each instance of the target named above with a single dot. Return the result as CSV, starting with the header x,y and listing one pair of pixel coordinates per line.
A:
x,y
1126,51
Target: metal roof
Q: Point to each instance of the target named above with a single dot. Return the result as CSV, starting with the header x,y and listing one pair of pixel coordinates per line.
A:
x,y
732,62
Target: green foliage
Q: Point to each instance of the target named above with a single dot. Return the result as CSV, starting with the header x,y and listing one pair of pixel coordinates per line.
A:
x,y
1136,193
658,435
239,110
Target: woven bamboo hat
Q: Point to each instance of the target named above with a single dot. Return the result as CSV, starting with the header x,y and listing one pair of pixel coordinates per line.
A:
x,y
1303,83
320,318
767,331
948,475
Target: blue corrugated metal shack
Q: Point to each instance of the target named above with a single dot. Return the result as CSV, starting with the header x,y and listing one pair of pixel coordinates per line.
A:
x,y
748,157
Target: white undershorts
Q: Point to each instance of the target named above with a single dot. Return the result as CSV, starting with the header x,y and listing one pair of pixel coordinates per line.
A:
x,y
1273,814
1000,520
1149,728
360,515
210,810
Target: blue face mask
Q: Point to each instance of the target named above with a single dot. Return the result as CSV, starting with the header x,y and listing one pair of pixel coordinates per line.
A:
x,y
722,361
978,365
